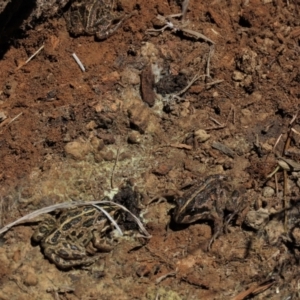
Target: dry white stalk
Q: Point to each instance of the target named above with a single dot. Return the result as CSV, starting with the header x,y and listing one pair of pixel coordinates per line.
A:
x,y
34,54
184,7
51,208
15,118
137,220
31,57
194,79
209,84
197,35
110,218
161,278
80,64
176,25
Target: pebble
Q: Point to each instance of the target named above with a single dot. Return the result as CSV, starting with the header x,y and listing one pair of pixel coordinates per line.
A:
x,y
238,76
268,192
30,277
134,137
130,76
255,219
201,135
162,169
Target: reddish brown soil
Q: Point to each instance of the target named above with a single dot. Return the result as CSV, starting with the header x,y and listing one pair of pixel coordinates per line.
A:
x,y
71,124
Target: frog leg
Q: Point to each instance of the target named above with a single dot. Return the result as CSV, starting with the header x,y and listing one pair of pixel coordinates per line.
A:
x,y
110,29
218,228
69,256
44,228
102,243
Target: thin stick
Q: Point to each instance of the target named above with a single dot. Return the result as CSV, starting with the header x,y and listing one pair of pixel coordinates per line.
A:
x,y
227,120
294,118
197,35
7,122
113,170
274,172
31,57
277,141
15,118
34,54
285,198
210,53
194,79
161,278
176,26
233,116
276,184
216,121
295,131
185,5
80,64
214,82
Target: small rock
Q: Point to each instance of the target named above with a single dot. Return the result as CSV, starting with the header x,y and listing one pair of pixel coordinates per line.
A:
x,y
267,147
77,149
30,278
17,255
140,117
5,263
91,125
194,166
134,137
248,81
143,270
295,234
130,76
256,97
247,117
256,219
97,144
162,169
108,154
201,135
268,192
238,76
107,138
67,138
246,61
273,231
215,94
2,116
111,77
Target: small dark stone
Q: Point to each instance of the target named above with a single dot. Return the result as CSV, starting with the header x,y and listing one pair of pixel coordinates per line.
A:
x,y
171,84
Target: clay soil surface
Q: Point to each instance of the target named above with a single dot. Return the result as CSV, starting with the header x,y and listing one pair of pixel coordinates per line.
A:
x,y
71,135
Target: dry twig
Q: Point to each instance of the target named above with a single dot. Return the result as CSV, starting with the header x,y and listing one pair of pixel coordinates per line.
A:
x,y
30,217
161,278
78,61
31,57
285,164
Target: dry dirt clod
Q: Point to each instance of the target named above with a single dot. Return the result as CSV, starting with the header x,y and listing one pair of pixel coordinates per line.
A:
x,y
77,149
